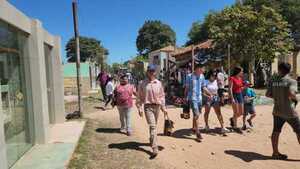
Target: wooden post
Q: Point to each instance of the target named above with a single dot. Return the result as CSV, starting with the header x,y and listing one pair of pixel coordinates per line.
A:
x,y
76,32
193,58
229,66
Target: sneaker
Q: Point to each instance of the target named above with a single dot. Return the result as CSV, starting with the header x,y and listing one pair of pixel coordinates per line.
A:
x,y
231,122
244,127
224,130
279,156
199,137
154,153
123,130
250,122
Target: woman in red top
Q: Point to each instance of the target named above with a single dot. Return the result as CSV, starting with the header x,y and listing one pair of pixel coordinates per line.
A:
x,y
236,86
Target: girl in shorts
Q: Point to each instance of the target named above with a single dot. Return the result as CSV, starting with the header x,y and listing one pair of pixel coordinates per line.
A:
x,y
214,101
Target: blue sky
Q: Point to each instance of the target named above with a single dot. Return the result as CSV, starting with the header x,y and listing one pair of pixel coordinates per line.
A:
x,y
116,22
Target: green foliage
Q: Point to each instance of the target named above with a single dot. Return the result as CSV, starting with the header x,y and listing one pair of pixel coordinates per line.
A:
x,y
154,35
251,34
200,30
90,50
289,9
116,66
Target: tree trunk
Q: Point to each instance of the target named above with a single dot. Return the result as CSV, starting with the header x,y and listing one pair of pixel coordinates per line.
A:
x,y
251,68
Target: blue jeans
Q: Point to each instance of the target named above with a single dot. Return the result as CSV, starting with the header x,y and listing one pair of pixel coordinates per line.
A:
x,y
125,117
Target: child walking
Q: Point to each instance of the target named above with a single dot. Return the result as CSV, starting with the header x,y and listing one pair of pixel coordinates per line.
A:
x,y
249,96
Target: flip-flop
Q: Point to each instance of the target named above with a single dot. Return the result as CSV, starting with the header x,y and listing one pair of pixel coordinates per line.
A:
x,y
279,156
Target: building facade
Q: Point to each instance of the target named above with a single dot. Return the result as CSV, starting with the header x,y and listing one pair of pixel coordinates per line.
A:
x,y
31,84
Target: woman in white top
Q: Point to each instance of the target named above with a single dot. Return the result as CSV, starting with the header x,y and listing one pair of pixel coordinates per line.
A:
x,y
109,90
212,87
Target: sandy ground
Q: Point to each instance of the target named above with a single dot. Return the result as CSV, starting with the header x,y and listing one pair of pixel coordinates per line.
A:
x,y
250,150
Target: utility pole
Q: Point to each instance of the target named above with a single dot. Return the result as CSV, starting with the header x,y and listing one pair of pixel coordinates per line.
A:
x,y
193,58
229,66
76,32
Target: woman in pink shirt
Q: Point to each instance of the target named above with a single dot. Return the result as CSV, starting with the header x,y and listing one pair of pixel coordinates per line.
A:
x,y
123,98
151,95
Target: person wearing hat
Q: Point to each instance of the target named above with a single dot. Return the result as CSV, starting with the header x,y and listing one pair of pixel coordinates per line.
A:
x,y
249,96
151,96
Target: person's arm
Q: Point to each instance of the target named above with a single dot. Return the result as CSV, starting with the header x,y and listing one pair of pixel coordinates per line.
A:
x,y
293,90
163,100
134,91
138,100
186,88
231,91
269,91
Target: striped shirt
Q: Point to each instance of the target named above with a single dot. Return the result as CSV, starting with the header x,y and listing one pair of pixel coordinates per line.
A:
x,y
195,84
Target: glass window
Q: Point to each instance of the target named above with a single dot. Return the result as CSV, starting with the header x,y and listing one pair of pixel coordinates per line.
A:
x,y
13,92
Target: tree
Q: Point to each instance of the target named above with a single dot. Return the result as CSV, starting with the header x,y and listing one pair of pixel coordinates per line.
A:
x,y
253,35
200,30
154,35
289,9
90,50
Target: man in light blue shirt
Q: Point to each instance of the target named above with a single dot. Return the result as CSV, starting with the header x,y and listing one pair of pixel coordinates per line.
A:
x,y
194,85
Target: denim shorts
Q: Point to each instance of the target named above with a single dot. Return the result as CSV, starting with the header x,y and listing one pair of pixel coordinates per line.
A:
x,y
196,107
215,101
238,98
279,122
249,109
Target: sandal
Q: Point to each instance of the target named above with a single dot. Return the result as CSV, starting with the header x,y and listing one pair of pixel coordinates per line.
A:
x,y
199,137
279,156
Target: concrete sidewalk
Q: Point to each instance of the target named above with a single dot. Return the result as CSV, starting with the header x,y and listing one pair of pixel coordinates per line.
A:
x,y
57,153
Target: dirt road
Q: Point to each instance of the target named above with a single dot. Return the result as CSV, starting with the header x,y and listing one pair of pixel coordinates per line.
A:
x,y
250,150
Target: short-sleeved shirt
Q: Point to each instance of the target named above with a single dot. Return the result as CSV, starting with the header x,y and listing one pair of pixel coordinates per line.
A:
x,y
195,84
249,93
212,87
237,84
123,95
221,80
279,90
109,88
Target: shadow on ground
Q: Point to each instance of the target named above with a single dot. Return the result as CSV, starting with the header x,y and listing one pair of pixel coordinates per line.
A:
x,y
183,134
132,145
108,130
251,156
99,108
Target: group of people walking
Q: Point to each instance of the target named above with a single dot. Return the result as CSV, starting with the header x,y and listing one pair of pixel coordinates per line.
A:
x,y
207,92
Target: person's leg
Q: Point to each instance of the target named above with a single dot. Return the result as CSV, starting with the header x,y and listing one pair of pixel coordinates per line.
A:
x,y
196,112
295,124
122,119
128,120
206,115
103,90
245,117
108,100
217,109
151,120
278,124
233,121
